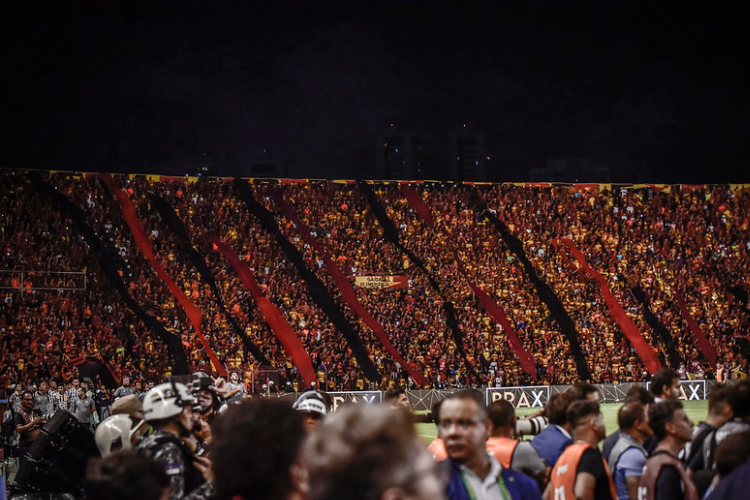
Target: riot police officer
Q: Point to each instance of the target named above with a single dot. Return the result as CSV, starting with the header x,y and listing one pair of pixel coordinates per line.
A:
x,y
169,409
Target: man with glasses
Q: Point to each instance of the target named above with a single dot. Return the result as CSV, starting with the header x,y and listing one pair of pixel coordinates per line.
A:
x,y
474,473
27,425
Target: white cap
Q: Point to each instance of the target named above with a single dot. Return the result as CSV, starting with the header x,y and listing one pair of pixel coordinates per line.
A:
x,y
166,401
311,401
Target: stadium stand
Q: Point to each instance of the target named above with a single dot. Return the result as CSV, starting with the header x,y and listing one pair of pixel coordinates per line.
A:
x,y
504,284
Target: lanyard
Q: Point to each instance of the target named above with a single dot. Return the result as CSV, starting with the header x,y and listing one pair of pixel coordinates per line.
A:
x,y
504,493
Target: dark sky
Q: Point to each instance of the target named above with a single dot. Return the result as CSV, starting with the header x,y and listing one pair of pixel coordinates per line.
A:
x,y
655,92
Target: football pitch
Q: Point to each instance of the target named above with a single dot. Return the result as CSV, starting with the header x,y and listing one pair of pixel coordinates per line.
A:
x,y
696,410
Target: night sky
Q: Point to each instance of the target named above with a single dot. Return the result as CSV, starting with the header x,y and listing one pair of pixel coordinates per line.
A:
x,y
658,93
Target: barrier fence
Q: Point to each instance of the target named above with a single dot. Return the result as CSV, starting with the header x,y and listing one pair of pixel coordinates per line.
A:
x,y
519,397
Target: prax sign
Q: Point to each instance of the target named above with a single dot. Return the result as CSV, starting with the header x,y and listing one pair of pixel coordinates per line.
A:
x,y
690,390
356,397
520,397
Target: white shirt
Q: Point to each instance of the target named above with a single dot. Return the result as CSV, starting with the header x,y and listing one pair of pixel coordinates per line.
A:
x,y
487,488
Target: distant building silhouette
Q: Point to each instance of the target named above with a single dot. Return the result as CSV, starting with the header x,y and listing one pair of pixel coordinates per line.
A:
x,y
468,156
570,170
400,155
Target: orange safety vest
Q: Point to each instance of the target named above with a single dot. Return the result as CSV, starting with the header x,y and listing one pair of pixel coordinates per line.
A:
x,y
503,449
437,448
563,479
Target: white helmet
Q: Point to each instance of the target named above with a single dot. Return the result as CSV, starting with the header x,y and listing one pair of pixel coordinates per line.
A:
x,y
311,401
166,400
117,432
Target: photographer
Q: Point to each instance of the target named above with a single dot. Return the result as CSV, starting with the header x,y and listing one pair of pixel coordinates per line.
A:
x,y
169,409
28,423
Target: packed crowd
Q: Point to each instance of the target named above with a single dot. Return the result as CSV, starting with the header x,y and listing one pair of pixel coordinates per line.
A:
x,y
202,438
690,242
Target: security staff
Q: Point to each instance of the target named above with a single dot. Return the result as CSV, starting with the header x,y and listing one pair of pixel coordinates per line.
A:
x,y
169,409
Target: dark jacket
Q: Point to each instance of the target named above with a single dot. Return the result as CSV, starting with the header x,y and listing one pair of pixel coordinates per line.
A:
x,y
550,444
520,486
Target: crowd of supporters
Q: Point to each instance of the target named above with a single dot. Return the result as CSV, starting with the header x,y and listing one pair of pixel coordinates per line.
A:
x,y
673,244
196,438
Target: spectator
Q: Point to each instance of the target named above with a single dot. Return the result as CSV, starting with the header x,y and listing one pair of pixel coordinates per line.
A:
x,y
731,456
738,399
719,413
636,394
313,408
638,239
465,427
256,449
437,446
236,389
397,398
664,476
372,453
125,475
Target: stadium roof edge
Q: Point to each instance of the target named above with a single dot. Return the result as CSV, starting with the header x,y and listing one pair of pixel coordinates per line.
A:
x,y
290,180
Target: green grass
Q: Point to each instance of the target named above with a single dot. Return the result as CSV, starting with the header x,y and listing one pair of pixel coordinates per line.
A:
x,y
696,410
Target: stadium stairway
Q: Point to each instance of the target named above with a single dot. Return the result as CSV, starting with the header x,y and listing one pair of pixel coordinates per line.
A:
x,y
391,234
315,286
173,222
545,292
106,260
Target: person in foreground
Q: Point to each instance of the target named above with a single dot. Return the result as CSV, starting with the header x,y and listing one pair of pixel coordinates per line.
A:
x,y
370,453
473,472
551,442
628,455
509,451
256,446
581,472
125,475
664,477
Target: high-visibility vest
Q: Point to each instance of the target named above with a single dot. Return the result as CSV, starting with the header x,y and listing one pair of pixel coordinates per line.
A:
x,y
503,449
563,479
437,448
654,465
